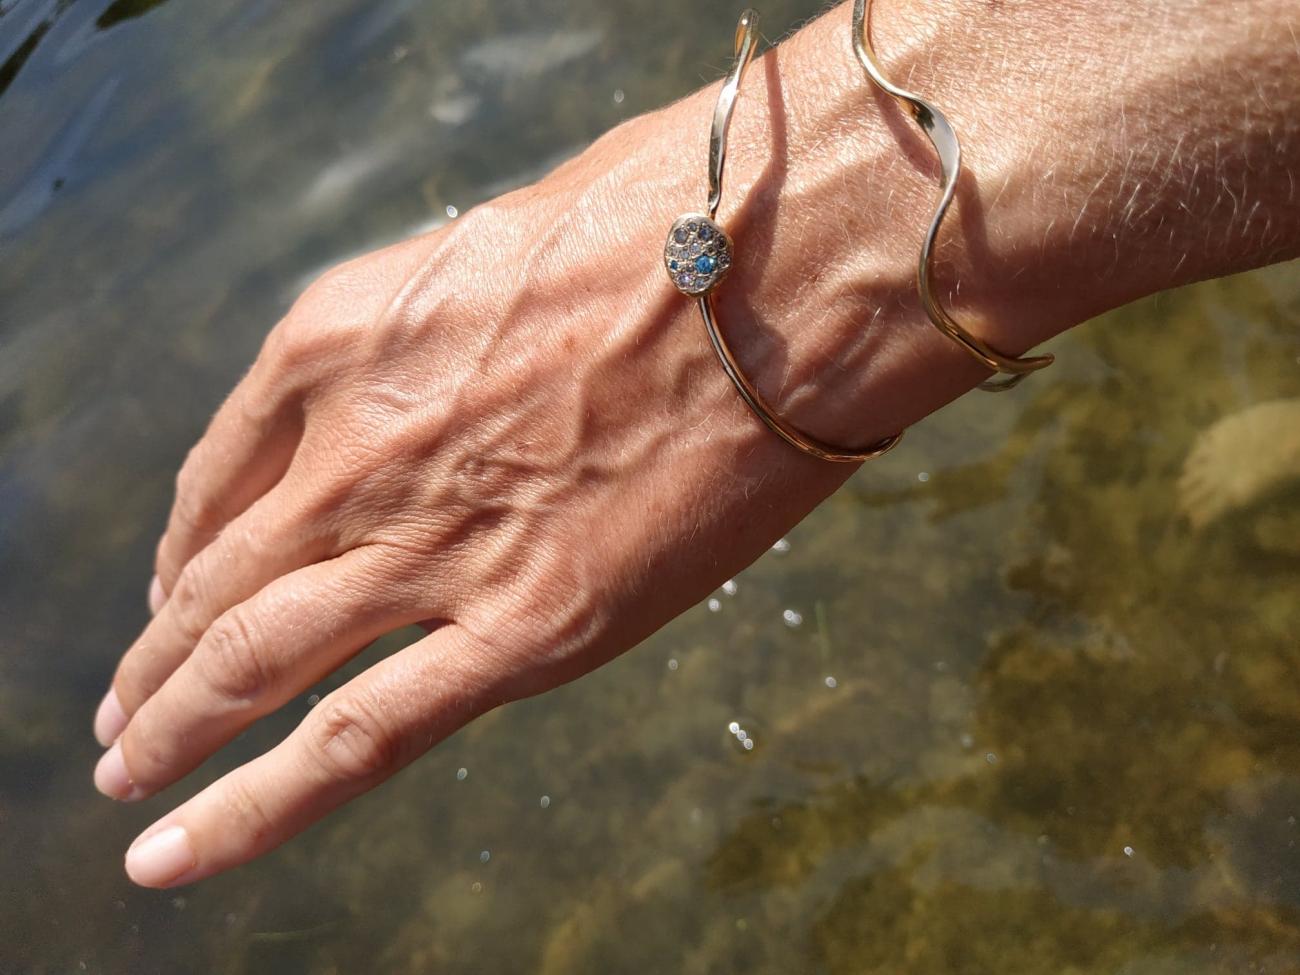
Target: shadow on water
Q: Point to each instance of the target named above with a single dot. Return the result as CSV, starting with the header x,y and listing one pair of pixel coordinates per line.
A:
x,y
42,19
121,10
55,168
1009,711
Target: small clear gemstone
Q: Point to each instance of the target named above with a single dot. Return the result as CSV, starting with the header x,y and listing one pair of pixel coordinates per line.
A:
x,y
685,280
694,249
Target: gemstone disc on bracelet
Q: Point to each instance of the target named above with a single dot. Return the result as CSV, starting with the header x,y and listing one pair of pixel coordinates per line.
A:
x,y
697,255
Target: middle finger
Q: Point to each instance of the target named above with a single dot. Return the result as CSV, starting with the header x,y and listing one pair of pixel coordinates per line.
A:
x,y
255,658
261,545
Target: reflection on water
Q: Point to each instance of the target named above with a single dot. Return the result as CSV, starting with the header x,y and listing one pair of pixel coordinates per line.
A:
x,y
56,167
1021,698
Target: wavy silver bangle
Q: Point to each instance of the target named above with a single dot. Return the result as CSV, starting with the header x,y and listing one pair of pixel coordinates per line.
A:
x,y
944,139
699,253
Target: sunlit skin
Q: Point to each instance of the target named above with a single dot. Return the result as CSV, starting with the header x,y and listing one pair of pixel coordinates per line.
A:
x,y
513,430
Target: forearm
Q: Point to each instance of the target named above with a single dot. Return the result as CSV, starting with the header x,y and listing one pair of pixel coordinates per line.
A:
x,y
1111,151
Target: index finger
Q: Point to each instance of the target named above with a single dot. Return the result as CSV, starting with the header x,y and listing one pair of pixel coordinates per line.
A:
x,y
351,741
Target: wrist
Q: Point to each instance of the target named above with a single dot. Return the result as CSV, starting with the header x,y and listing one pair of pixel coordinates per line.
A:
x,y
828,206
1059,214
1094,174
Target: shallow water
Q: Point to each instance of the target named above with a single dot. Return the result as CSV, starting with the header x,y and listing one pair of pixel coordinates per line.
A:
x,y
1010,712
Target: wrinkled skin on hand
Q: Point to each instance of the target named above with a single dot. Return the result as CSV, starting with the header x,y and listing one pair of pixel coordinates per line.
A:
x,y
511,430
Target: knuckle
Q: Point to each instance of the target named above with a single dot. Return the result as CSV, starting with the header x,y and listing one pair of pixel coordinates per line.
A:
x,y
233,661
556,611
247,814
568,604
149,755
188,603
195,510
249,539
318,329
351,742
290,348
135,682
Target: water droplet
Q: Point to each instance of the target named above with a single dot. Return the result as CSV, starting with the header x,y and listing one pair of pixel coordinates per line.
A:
x,y
991,758
618,96
545,802
476,887
749,744
714,604
452,212
485,856
831,682
1128,851
461,774
672,663
734,727
792,618
923,476
781,546
742,734
729,587
313,700
967,740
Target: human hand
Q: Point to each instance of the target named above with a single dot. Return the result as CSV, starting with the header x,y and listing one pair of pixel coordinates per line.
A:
x,y
513,430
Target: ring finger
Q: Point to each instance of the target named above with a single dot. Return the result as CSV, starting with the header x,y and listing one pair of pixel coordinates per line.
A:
x,y
256,657
257,548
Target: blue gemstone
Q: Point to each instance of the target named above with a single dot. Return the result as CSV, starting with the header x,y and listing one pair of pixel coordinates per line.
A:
x,y
672,265
704,264
679,235
706,232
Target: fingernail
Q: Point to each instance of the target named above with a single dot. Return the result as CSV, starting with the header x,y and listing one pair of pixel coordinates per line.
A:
x,y
156,596
158,859
111,777
110,719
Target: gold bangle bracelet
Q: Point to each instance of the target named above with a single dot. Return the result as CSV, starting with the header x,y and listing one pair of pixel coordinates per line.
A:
x,y
699,253
944,139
